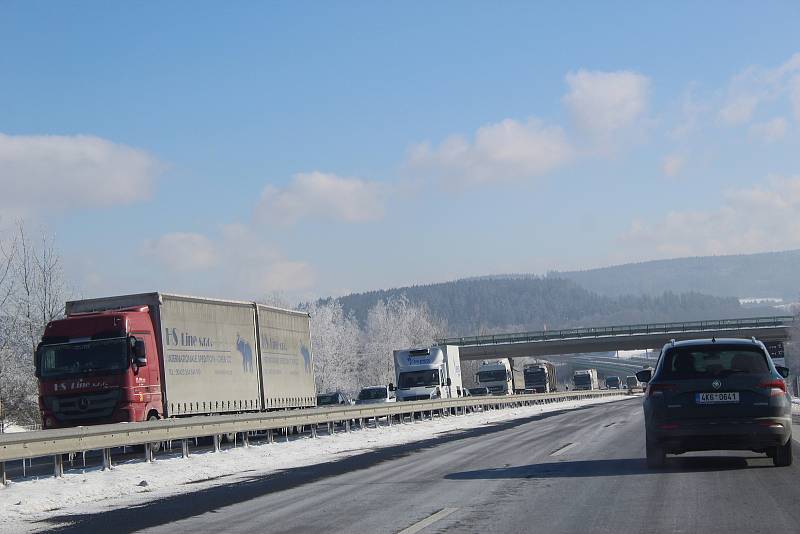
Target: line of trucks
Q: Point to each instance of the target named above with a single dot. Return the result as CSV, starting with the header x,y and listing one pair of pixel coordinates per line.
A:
x,y
159,355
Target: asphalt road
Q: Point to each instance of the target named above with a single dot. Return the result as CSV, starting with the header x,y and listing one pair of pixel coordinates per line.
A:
x,y
577,471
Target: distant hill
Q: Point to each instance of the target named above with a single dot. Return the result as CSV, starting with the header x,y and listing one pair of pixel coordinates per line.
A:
x,y
490,305
772,274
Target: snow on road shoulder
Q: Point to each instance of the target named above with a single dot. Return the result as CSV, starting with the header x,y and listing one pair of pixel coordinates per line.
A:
x,y
136,482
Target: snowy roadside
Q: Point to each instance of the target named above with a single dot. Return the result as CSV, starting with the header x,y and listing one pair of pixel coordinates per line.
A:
x,y
28,501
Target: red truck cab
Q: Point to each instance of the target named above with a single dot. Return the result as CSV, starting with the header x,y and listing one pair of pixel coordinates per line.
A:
x,y
98,368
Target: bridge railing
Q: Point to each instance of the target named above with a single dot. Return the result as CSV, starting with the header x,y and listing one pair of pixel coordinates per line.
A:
x,y
623,330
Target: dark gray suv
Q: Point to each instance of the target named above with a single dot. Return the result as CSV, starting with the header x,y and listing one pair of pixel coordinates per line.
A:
x,y
717,394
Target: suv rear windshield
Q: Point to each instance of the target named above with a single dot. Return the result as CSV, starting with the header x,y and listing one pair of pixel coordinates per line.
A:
x,y
704,361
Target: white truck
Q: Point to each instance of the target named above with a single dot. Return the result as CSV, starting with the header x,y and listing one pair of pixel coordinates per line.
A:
x,y
429,373
500,377
585,379
540,377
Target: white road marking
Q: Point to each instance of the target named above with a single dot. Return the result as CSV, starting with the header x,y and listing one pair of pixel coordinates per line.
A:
x,y
416,527
562,450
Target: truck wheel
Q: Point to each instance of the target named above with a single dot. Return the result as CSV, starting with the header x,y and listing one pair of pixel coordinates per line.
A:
x,y
782,455
656,456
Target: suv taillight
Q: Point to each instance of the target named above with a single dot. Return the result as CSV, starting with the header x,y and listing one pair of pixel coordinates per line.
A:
x,y
659,389
777,388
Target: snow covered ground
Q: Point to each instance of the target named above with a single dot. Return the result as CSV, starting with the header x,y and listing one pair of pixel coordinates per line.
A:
x,y
27,501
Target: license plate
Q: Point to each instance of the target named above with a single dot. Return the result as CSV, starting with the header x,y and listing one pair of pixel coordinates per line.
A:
x,y
717,398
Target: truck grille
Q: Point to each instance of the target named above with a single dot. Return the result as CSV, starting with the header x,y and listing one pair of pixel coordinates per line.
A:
x,y
86,406
417,398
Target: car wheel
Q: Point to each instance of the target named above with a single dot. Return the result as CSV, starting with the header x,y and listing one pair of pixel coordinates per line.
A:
x,y
782,455
656,456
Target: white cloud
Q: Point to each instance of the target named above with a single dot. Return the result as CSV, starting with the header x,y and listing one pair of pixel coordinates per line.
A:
x,y
672,165
52,173
507,150
602,103
794,96
182,251
739,109
322,196
758,219
756,85
235,262
771,130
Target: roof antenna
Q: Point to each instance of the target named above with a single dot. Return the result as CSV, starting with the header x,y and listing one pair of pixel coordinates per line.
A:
x,y
713,339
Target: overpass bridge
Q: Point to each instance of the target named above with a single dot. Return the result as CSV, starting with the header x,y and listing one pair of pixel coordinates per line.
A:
x,y
770,330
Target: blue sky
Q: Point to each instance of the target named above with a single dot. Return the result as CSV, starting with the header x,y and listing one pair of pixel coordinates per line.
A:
x,y
321,148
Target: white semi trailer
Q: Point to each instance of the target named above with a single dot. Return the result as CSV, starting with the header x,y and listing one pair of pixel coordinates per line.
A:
x,y
585,379
540,377
500,377
428,373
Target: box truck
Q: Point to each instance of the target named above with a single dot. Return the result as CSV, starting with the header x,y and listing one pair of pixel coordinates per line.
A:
x,y
500,377
156,355
430,373
540,377
585,379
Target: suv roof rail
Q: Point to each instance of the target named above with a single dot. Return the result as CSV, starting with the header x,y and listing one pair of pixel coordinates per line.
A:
x,y
755,341
672,342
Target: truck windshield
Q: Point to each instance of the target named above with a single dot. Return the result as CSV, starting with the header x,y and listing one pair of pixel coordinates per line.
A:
x,y
106,355
612,381
372,393
413,379
492,376
326,400
535,373
582,379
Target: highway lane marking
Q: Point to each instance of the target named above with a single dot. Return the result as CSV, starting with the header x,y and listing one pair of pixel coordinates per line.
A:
x,y
431,519
561,450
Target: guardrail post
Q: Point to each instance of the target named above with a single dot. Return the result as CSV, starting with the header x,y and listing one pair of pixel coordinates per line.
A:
x,y
58,466
360,423
107,460
3,479
148,453
246,437
216,439
184,448
347,425
314,431
286,430
270,438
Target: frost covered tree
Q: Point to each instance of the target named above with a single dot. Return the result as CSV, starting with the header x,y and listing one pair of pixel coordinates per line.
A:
x,y
336,344
393,324
32,293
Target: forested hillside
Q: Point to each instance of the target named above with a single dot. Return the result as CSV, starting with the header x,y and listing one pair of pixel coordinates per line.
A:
x,y
531,303
773,274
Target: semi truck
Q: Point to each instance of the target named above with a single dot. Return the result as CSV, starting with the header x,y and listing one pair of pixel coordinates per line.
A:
x,y
155,355
585,379
500,377
428,373
540,377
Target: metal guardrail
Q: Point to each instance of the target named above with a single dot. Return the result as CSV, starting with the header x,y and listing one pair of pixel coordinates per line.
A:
x,y
780,321
58,442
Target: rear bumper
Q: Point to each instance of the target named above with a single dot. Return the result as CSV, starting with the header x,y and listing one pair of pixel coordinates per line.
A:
x,y
743,434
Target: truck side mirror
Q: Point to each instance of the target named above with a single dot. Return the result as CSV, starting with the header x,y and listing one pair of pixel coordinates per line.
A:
x,y
644,376
139,353
449,382
391,386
